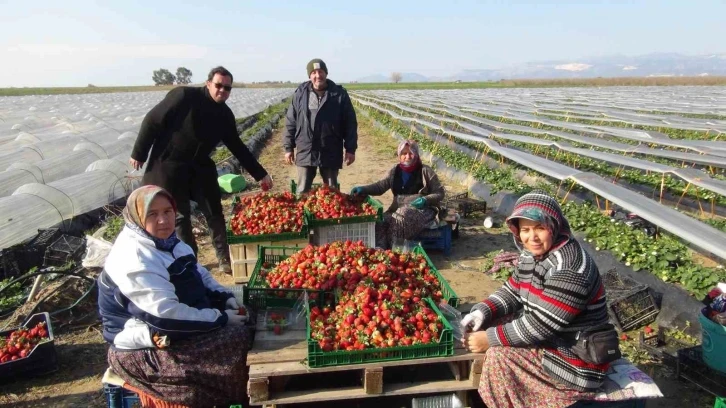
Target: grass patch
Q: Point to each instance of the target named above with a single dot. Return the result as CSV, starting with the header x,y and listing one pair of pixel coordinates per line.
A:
x,y
114,225
384,144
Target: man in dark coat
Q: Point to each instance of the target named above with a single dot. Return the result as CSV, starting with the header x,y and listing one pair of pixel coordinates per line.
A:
x,y
182,131
320,122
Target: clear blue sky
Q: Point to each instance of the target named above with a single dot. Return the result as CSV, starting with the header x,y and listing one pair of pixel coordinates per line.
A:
x,y
74,43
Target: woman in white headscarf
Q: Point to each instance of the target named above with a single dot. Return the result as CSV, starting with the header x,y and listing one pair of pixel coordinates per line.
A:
x,y
175,333
417,194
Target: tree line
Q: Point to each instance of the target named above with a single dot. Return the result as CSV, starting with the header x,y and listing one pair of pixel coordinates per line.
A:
x,y
163,76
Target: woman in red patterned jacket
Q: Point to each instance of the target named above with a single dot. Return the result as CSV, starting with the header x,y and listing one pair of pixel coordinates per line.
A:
x,y
555,292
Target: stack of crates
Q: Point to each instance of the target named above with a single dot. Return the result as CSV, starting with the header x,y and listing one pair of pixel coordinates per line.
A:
x,y
244,249
360,228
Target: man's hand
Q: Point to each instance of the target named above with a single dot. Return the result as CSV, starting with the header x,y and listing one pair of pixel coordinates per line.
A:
x,y
266,183
290,158
349,158
135,164
476,342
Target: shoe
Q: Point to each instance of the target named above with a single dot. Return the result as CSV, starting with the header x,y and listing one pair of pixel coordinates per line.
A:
x,y
225,267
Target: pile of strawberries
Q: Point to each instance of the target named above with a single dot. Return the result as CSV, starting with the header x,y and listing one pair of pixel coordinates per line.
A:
x,y
277,213
324,203
267,213
380,295
21,342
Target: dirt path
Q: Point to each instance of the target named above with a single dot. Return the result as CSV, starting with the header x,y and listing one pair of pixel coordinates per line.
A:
x,y
82,353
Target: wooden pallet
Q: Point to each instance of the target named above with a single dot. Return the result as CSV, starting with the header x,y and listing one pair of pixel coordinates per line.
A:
x,y
277,361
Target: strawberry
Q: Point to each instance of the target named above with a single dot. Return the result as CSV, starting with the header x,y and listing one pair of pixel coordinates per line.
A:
x,y
648,330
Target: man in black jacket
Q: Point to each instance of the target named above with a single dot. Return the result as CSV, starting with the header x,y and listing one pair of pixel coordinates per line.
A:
x,y
182,131
320,122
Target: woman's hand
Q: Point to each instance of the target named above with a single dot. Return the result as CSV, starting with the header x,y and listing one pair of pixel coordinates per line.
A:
x,y
233,305
473,321
476,342
235,319
419,203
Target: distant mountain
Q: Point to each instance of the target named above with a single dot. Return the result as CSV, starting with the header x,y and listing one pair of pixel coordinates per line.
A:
x,y
659,64
405,77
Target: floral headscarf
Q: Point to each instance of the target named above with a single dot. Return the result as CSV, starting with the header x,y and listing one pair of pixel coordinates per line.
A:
x,y
135,214
413,147
540,207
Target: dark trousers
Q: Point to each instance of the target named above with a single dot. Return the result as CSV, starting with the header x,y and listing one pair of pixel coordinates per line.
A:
x,y
306,175
199,184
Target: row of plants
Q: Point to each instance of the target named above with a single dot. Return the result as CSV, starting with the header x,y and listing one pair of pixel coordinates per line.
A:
x,y
268,117
497,178
533,125
564,112
664,256
537,129
633,176
672,132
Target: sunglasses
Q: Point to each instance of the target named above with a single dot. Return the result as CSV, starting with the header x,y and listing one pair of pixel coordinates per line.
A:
x,y
221,86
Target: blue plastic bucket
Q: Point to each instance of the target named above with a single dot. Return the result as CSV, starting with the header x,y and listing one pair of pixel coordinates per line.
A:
x,y
713,343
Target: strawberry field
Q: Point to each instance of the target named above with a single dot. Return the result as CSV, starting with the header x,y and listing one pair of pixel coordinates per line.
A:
x,y
486,138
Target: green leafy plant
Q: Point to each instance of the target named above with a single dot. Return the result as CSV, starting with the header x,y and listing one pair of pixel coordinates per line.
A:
x,y
681,335
114,225
12,296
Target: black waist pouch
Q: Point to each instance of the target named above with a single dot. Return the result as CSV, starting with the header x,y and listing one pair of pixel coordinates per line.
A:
x,y
598,346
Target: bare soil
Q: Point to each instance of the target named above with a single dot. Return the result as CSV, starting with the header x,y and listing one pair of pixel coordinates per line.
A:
x,y
82,351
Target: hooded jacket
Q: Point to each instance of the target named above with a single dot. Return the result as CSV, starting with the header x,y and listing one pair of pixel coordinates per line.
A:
x,y
336,127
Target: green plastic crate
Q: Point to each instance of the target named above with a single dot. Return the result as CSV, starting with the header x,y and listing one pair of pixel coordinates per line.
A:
x,y
314,222
231,183
293,186
446,290
445,347
259,296
285,236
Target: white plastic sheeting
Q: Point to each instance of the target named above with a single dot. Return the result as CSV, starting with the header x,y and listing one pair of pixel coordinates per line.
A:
x,y
697,233
47,171
710,153
65,155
